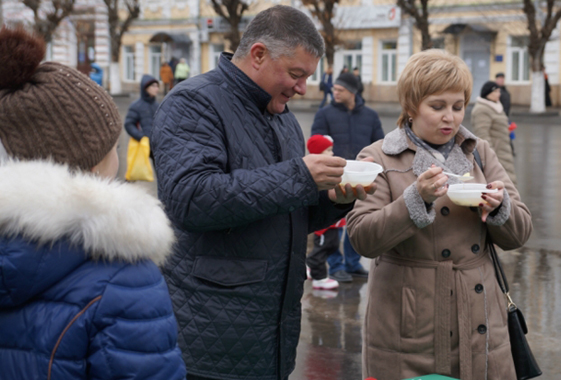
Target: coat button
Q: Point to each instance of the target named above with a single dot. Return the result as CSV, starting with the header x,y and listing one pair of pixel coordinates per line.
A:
x,y
291,208
446,253
445,211
478,288
475,248
482,329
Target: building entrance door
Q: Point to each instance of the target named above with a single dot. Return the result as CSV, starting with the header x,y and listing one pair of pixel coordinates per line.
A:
x,y
476,52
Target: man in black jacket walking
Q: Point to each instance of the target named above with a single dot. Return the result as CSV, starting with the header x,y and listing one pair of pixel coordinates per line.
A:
x,y
352,126
242,197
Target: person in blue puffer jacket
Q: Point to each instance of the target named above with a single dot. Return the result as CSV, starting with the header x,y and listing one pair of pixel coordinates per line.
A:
x,y
140,115
81,294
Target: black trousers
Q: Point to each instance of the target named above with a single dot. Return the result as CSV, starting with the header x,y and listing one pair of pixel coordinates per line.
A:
x,y
324,246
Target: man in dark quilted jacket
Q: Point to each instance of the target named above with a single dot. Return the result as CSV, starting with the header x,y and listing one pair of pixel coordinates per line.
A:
x,y
242,196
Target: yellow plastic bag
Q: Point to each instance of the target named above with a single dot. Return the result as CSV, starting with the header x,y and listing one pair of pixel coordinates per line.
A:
x,y
138,161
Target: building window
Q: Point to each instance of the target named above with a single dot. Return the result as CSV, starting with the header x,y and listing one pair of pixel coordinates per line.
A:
x,y
49,52
128,57
352,57
318,74
519,59
217,49
438,43
388,62
155,61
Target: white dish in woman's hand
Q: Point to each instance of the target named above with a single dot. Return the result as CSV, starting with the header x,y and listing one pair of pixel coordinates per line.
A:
x,y
468,194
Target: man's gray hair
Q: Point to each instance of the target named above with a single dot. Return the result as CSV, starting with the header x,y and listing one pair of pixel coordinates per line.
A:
x,y
281,29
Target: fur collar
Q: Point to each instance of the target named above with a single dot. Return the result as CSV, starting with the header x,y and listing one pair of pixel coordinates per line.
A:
x,y
45,202
397,142
495,106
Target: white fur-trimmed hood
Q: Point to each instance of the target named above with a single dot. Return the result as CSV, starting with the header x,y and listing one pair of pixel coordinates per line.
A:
x,y
45,202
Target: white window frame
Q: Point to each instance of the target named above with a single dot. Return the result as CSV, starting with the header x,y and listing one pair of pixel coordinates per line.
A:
x,y
215,51
155,57
315,78
351,59
128,63
392,56
523,55
49,52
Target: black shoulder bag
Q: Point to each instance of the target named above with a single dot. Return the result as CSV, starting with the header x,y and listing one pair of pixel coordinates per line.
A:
x,y
524,361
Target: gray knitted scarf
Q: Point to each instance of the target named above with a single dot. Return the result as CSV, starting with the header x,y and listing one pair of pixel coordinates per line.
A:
x,y
440,152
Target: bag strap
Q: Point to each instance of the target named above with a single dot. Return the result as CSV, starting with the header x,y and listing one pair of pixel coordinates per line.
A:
x,y
499,272
477,158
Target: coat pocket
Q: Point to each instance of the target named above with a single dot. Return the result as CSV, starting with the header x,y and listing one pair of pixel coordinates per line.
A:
x,y
408,319
229,272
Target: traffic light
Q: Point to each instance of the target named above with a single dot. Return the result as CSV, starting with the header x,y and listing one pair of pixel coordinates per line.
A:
x,y
209,23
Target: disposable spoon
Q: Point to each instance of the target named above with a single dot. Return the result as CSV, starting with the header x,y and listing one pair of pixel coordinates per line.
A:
x,y
460,177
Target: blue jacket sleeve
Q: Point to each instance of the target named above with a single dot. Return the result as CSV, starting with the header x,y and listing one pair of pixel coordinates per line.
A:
x,y
320,126
134,329
195,183
131,121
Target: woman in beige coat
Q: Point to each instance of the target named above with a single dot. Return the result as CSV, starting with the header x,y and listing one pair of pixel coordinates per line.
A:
x,y
434,304
490,122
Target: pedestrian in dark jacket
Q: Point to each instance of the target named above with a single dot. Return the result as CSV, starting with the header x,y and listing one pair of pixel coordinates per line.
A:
x,y
505,95
81,296
352,126
326,85
242,196
360,88
140,116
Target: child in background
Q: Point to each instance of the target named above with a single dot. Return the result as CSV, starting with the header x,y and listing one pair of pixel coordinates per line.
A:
x,y
326,241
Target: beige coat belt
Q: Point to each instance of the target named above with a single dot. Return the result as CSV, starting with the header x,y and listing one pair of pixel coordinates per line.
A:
x,y
446,271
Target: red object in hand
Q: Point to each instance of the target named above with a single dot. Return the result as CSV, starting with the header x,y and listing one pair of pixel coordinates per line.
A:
x,y
370,378
512,126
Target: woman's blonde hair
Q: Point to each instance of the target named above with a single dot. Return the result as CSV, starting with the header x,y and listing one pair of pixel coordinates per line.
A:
x,y
427,73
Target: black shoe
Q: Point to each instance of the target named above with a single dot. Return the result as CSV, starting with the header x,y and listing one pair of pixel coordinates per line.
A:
x,y
341,276
360,272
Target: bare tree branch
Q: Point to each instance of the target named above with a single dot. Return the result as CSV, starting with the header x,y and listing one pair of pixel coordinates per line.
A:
x,y
421,19
118,27
45,27
540,30
323,11
231,11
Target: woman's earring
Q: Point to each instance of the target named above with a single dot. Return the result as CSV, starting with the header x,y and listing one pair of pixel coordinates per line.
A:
x,y
410,120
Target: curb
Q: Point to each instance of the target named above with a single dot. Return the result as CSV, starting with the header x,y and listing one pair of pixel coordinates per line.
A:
x,y
534,114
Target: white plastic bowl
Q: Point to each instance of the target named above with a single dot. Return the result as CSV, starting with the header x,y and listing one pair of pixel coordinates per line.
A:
x,y
360,173
468,194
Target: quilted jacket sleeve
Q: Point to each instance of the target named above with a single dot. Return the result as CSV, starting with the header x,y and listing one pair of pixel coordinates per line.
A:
x,y
195,182
134,329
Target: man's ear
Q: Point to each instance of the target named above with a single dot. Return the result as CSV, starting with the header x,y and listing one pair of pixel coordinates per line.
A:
x,y
258,54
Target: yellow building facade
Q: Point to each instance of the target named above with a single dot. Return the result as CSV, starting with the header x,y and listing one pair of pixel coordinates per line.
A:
x,y
491,36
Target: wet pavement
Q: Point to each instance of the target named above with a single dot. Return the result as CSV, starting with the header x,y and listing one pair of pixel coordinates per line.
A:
x,y
331,339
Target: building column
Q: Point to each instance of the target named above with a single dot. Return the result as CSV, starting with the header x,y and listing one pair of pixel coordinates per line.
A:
x,y
404,43
138,61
